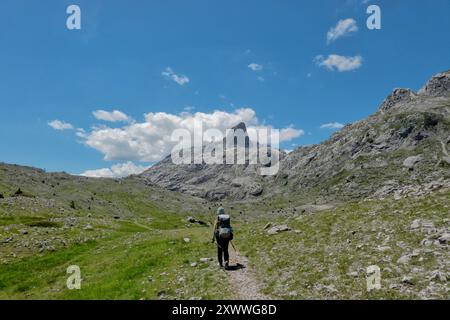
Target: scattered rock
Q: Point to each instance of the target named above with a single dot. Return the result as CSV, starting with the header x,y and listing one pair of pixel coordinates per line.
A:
x,y
193,264
186,240
293,293
408,280
415,224
330,288
411,162
404,259
426,242
89,227
192,220
444,239
384,248
278,229
205,260
438,275
393,286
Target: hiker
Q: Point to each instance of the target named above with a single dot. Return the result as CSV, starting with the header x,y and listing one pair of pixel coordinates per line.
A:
x,y
223,234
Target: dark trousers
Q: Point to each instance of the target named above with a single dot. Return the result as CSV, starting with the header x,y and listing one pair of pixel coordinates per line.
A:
x,y
222,250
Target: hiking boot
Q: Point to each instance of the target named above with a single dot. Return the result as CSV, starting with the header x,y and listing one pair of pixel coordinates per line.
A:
x,y
227,265
220,265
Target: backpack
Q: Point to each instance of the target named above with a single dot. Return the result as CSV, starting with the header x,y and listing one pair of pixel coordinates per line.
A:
x,y
225,231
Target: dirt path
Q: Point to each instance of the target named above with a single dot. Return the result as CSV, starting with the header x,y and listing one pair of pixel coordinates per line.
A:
x,y
244,283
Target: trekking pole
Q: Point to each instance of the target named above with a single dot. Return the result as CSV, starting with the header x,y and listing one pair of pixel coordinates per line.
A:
x,y
232,244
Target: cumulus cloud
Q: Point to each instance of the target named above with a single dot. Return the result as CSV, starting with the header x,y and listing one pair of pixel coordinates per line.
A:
x,y
340,63
116,171
290,133
171,75
342,28
113,116
332,125
255,66
150,140
60,125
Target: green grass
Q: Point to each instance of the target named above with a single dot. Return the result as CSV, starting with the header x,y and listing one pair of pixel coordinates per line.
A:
x,y
133,263
330,244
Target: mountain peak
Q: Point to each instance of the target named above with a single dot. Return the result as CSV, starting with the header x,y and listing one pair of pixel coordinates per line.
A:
x,y
240,126
397,96
439,84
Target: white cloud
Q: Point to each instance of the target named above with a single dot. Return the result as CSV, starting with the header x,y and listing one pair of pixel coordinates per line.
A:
x,y
332,125
290,133
340,63
150,140
116,171
171,75
113,116
342,28
60,125
255,66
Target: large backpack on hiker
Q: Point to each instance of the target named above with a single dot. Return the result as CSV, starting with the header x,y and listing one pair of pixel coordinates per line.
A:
x,y
224,230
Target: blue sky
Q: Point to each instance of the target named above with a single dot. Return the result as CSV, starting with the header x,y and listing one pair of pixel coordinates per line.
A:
x,y
119,60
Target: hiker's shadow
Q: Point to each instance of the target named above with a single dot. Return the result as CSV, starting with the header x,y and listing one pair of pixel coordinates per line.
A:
x,y
235,267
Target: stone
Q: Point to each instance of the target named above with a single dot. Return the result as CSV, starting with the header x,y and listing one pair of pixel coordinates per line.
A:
x,y
404,259
411,162
277,229
415,224
384,248
186,240
444,238
407,280
437,275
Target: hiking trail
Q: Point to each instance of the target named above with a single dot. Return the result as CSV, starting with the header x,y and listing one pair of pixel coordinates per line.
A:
x,y
244,284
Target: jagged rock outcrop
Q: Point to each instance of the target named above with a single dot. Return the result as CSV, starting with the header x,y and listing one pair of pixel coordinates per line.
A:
x,y
437,85
398,96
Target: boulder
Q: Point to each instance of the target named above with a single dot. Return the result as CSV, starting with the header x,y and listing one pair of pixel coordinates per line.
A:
x,y
278,229
444,238
404,259
411,162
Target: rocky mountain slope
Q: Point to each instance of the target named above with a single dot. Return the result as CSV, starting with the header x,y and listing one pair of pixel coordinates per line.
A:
x,y
400,150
